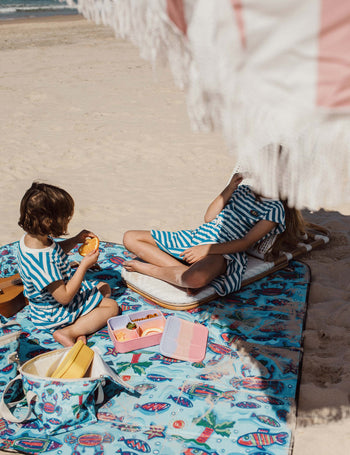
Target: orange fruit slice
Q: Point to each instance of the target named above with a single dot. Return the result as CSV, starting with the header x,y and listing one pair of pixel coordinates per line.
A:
x,y
91,244
151,331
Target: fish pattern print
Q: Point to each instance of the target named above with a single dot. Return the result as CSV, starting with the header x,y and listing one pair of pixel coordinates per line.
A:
x,y
236,401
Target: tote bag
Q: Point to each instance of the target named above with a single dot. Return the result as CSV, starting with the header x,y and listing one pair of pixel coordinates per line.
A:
x,y
58,405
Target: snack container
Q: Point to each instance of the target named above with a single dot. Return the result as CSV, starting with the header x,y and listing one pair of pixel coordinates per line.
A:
x,y
177,337
184,340
148,331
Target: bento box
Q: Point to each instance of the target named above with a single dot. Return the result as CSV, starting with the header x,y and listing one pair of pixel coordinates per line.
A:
x,y
137,330
178,338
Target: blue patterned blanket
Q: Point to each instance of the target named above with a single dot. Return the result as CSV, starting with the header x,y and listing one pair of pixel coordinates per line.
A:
x,y
241,399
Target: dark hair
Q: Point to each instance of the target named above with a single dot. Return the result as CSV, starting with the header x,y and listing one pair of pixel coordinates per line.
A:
x,y
294,233
45,209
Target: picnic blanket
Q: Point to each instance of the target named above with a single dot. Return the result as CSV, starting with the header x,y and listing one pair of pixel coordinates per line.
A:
x,y
241,399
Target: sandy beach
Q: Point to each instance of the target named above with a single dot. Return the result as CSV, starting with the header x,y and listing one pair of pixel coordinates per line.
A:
x,y
81,109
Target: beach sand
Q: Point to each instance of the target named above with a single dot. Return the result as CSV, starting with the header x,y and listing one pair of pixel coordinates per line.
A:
x,y
81,110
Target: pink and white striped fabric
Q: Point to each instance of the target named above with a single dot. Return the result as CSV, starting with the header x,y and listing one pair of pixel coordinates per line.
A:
x,y
274,76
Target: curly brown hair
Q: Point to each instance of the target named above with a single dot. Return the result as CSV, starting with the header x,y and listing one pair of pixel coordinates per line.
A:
x,y
45,210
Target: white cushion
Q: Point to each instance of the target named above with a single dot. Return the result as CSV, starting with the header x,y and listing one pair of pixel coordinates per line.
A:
x,y
166,293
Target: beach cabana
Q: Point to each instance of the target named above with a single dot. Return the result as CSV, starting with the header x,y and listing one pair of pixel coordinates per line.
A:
x,y
266,75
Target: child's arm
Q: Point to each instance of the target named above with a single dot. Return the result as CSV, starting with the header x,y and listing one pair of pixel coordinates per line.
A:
x,y
64,293
198,252
69,244
220,201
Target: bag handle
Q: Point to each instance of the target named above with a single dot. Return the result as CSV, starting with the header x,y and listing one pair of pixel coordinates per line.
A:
x,y
8,336
5,408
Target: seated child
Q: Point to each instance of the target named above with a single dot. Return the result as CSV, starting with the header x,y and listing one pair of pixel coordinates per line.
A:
x,y
214,252
60,299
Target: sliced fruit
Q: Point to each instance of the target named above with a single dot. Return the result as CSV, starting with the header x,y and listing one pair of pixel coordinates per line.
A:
x,y
90,245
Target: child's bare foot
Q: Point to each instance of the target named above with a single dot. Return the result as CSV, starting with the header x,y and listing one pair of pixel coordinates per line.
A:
x,y
105,289
82,338
138,266
63,337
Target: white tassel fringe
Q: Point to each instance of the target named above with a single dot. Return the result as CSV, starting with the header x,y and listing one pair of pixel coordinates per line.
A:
x,y
313,169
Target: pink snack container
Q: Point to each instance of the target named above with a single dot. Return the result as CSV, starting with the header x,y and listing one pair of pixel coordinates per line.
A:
x,y
178,338
148,332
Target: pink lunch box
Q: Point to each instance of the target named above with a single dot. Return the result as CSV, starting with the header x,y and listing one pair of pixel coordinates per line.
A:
x,y
178,338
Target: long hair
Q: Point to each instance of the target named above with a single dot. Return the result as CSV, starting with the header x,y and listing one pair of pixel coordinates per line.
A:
x,y
45,209
295,232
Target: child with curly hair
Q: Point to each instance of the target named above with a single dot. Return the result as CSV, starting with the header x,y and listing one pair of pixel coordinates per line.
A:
x,y
60,298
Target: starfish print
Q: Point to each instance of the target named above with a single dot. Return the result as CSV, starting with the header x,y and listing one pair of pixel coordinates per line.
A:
x,y
290,368
155,431
111,351
66,395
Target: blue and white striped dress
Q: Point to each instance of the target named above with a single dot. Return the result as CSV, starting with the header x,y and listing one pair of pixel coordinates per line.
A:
x,y
40,267
238,217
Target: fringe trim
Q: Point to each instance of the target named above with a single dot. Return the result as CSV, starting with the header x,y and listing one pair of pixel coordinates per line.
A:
x,y
313,168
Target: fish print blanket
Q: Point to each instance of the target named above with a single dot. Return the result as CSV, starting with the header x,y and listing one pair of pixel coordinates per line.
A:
x,y
241,399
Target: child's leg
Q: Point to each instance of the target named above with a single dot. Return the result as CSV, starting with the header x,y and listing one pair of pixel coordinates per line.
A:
x,y
104,288
88,323
145,247
195,276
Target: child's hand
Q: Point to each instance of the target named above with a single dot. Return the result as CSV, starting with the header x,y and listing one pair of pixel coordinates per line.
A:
x,y
195,253
90,259
80,238
235,181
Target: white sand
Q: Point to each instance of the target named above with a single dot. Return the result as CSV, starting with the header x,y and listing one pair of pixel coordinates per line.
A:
x,y
81,110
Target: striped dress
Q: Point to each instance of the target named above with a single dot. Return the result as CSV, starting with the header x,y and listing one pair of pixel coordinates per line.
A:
x,y
40,267
237,218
